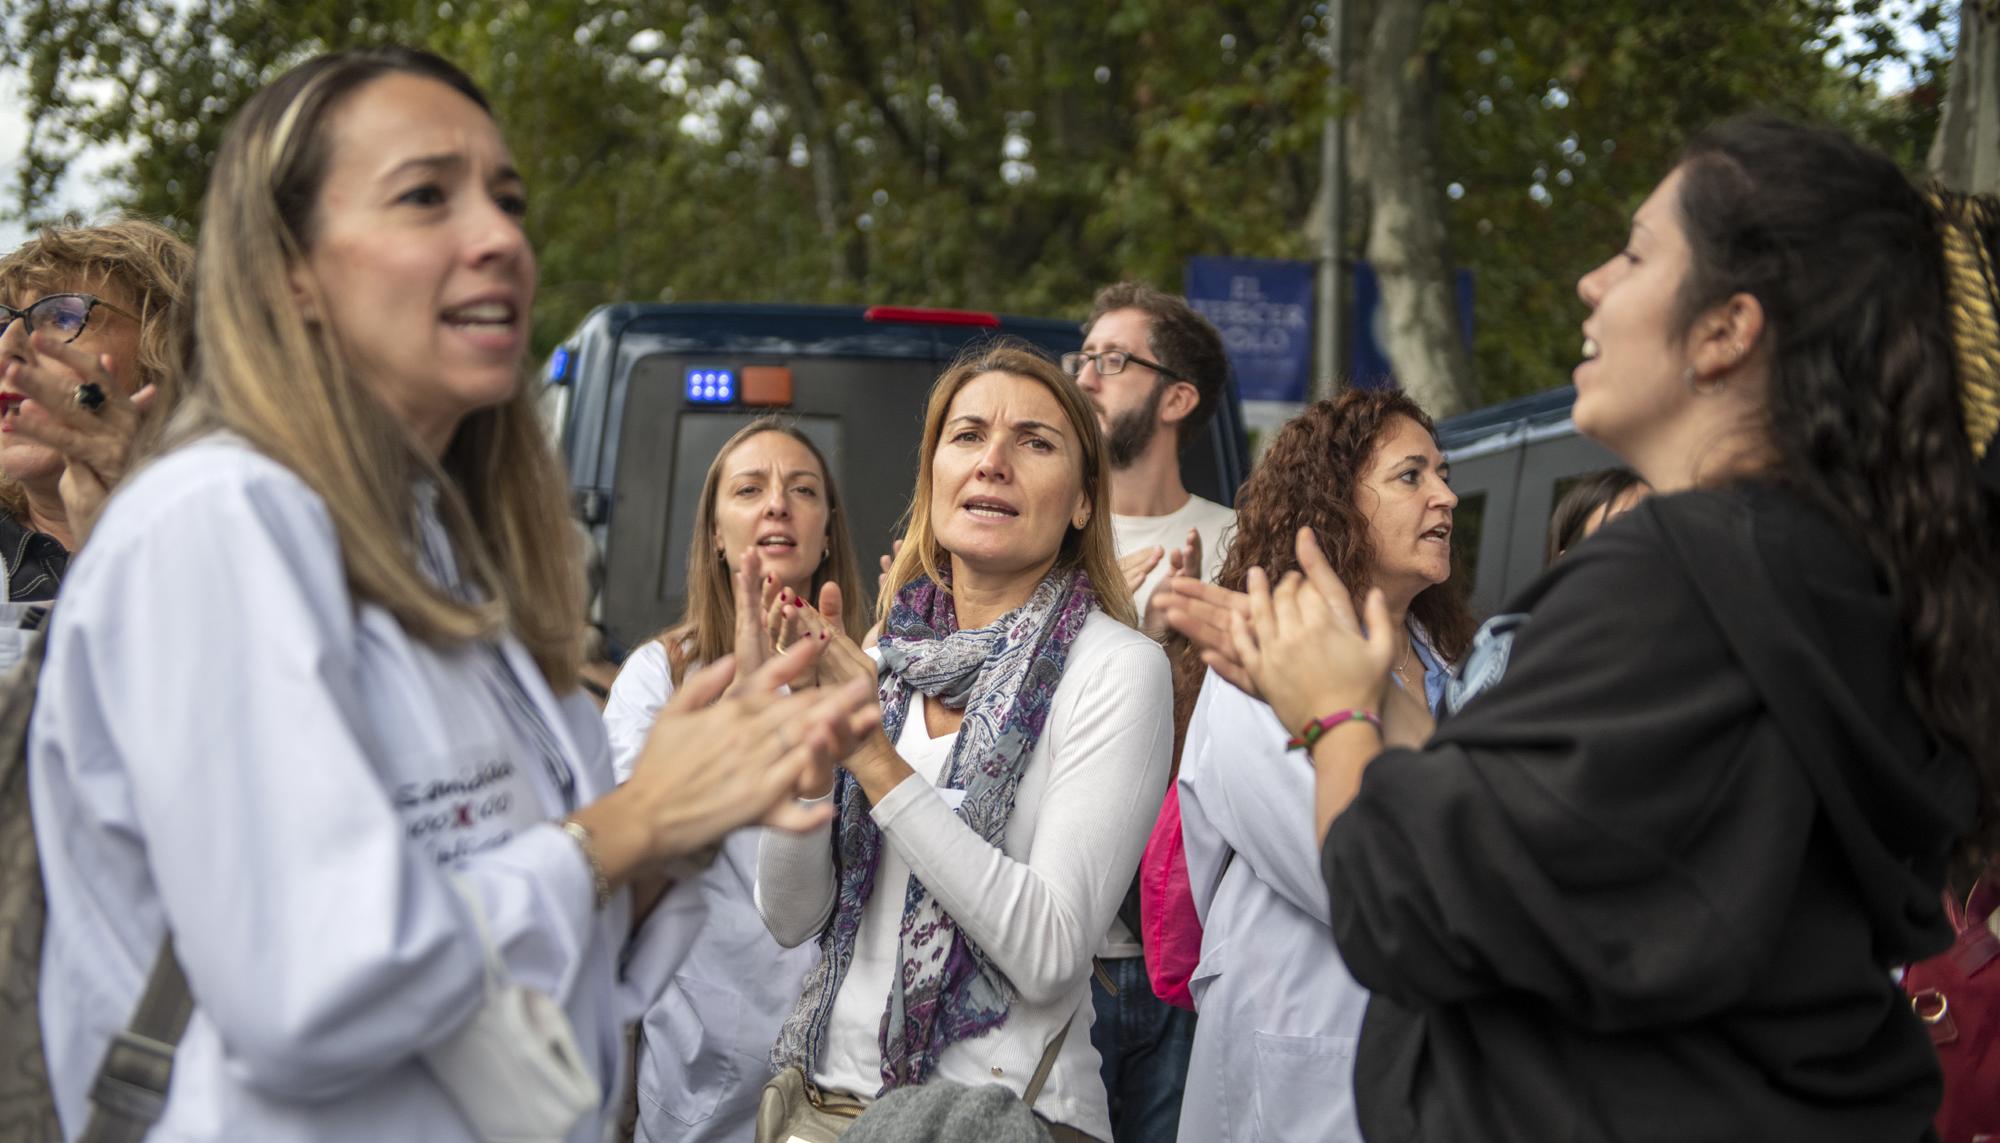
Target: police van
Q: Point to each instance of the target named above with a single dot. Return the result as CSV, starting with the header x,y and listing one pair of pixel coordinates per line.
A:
x,y
641,397
1511,463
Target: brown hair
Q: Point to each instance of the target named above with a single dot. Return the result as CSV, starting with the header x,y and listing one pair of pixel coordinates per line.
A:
x,y
153,271
706,630
1178,338
1309,478
284,385
1089,547
1587,496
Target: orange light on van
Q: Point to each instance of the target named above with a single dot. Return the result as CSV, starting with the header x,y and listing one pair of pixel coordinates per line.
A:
x,y
766,385
925,315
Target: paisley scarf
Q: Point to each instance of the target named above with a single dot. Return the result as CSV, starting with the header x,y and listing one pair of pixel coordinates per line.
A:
x,y
1004,678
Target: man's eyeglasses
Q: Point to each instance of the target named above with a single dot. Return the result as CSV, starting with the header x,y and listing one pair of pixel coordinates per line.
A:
x,y
1112,362
66,314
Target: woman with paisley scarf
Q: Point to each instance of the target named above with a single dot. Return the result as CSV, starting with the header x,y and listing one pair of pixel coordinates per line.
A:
x,y
983,838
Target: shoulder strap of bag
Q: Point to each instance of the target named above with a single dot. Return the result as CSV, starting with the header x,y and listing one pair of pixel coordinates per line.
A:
x,y
1047,1065
130,1092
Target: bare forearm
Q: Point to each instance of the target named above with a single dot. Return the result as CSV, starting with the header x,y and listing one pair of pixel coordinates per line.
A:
x,y
878,768
1339,756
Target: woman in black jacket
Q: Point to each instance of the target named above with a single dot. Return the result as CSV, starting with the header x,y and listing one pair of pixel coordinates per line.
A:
x,y
1702,783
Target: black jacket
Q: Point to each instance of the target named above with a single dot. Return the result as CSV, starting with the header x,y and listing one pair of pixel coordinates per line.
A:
x,y
1650,884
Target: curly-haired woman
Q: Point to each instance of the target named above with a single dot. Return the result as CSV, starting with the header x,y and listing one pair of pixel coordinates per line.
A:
x,y
1280,1017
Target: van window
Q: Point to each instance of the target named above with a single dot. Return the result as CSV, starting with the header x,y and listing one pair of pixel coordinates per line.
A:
x,y
1467,522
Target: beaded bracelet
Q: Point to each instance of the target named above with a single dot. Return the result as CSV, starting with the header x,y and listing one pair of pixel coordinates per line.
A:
x,y
1312,730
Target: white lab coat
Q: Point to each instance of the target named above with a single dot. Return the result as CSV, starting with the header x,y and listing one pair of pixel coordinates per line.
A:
x,y
224,744
704,1054
1273,1055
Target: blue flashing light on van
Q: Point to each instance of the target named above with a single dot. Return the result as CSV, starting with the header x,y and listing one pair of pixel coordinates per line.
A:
x,y
710,385
653,389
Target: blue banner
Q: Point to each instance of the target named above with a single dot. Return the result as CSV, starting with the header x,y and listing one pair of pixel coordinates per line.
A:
x,y
1263,307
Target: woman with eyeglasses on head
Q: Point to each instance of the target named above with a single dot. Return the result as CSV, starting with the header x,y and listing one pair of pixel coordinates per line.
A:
x,y
1700,792
984,837
92,332
310,728
769,512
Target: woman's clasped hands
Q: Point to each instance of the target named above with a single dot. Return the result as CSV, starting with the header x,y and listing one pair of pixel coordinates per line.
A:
x,y
1300,646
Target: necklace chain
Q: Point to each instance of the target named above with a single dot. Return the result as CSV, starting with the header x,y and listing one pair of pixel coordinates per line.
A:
x,y
1408,650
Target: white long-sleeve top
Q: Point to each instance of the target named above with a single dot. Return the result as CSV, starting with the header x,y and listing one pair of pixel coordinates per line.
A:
x,y
226,745
705,1047
1038,906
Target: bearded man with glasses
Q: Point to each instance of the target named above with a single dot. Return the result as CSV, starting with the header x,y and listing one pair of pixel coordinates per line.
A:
x,y
1154,369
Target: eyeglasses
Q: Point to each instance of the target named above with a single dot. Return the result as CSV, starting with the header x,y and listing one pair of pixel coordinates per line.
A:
x,y
1112,362
64,313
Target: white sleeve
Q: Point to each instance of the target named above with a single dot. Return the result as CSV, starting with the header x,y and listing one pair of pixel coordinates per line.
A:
x,y
1243,792
322,946
1109,750
795,888
642,687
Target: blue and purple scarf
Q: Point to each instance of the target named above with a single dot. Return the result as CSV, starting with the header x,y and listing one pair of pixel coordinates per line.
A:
x,y
1004,678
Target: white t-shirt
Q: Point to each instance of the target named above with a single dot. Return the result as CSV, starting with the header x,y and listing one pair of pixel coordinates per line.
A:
x,y
1216,525
1037,905
1213,521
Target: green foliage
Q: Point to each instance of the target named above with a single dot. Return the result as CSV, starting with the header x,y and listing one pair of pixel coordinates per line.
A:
x,y
987,153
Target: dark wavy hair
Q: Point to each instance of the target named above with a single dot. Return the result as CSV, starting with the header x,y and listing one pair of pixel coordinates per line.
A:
x,y
1588,496
1844,256
1309,478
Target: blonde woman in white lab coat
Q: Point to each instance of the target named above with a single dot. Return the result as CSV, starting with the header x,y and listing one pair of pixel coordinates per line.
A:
x,y
312,689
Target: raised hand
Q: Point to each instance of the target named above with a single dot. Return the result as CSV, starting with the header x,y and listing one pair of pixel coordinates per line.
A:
x,y
96,443
789,619
749,583
717,761
1182,561
1203,612
1138,565
1304,645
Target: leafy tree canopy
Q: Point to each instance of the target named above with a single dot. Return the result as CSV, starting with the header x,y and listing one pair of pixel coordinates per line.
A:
x,y
991,153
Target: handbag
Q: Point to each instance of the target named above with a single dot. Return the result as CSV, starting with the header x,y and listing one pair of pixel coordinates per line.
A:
x,y
1170,928
1957,996
792,1109
513,1069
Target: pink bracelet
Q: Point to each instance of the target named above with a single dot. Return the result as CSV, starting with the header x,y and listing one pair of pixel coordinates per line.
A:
x,y
1310,733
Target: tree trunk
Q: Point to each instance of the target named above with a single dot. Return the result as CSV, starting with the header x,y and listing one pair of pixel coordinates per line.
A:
x,y
1397,143
1965,156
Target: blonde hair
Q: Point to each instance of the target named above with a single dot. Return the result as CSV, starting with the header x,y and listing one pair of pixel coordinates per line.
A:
x,y
706,630
1090,547
152,270
283,384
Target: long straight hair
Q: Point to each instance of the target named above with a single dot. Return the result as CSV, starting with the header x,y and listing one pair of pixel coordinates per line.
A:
x,y
707,627
284,384
1089,547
